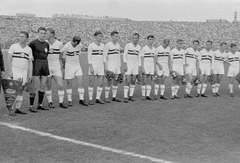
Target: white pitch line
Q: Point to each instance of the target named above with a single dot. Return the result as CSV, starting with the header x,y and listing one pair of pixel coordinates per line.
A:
x,y
122,152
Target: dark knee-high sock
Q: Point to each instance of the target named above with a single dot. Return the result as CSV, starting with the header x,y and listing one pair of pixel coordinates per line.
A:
x,y
40,97
32,98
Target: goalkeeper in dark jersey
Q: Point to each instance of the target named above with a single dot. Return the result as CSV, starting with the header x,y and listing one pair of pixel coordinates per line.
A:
x,y
40,49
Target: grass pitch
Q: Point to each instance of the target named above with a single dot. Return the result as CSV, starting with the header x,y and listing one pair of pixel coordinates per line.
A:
x,y
198,130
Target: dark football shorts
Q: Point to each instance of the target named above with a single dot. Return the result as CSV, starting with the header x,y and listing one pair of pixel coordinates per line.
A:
x,y
40,68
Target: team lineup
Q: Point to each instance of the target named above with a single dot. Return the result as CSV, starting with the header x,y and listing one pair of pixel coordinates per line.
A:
x,y
38,63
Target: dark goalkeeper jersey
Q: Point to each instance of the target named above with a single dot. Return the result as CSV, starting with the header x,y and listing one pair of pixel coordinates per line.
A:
x,y
39,49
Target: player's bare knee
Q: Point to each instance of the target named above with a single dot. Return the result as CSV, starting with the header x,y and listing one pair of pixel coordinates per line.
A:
x,y
48,86
69,84
115,82
100,84
109,83
80,84
133,82
60,87
144,83
42,88
127,83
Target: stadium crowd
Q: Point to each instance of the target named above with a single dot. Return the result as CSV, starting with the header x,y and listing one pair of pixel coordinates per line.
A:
x,y
68,27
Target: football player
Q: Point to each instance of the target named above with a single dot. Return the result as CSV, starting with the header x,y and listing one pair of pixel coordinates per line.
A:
x,y
20,67
71,63
162,60
40,50
54,56
132,62
206,60
112,63
177,66
148,67
218,70
96,67
232,58
192,66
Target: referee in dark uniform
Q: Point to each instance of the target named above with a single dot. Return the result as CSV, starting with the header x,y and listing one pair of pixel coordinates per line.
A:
x,y
40,49
2,69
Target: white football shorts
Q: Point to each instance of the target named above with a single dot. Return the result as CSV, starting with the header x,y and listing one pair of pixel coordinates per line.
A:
x,y
164,71
72,71
98,68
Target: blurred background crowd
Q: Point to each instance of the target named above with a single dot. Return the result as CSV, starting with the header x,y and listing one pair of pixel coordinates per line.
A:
x,y
66,28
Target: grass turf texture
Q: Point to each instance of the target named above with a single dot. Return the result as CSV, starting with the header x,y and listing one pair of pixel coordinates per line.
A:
x,y
198,130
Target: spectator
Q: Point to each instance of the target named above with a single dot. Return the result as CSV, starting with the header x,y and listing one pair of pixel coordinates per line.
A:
x,y
84,26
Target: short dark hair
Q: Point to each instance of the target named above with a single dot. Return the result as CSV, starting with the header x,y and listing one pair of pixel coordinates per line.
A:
x,y
209,41
136,34
223,43
98,33
196,41
51,30
179,40
150,36
166,40
26,33
233,45
76,39
114,32
41,29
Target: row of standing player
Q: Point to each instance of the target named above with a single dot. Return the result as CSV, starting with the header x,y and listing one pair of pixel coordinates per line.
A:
x,y
148,61
40,62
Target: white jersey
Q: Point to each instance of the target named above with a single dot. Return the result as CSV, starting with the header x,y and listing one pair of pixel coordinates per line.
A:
x,y
112,53
233,59
219,57
177,56
95,53
206,56
72,54
162,54
54,52
20,56
148,54
132,53
191,56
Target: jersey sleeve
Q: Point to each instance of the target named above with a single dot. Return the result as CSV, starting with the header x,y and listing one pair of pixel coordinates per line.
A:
x,y
48,47
105,52
142,52
31,45
199,55
184,57
80,46
171,55
225,56
90,54
30,54
61,47
156,51
125,54
139,57
11,49
65,49
213,60
119,55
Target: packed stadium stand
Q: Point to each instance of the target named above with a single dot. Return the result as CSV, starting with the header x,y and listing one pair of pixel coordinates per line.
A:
x,y
68,26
